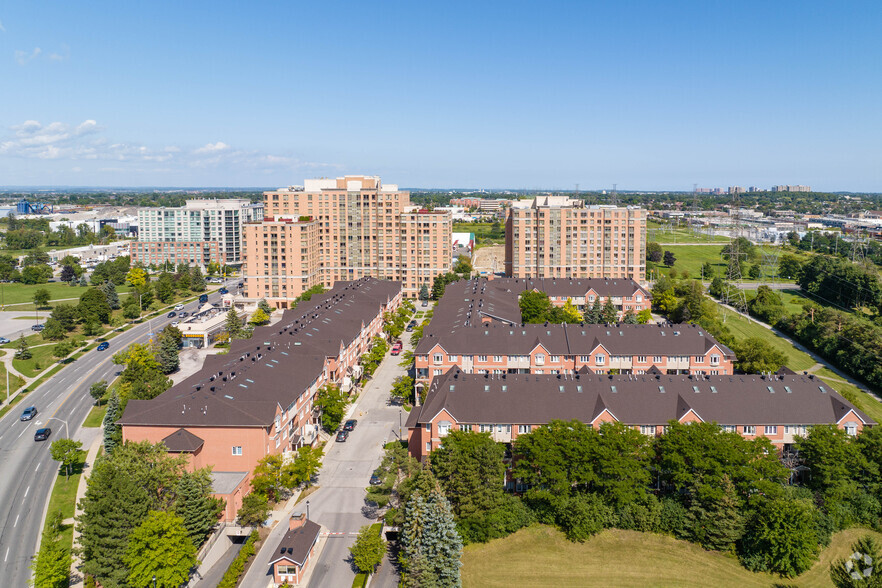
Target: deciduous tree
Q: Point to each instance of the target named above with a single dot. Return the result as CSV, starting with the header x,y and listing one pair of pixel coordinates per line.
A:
x,y
368,550
160,549
41,297
66,452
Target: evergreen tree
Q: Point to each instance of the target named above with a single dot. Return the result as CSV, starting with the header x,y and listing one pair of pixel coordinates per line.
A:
x,y
168,350
265,306
424,292
159,550
592,312
195,505
114,505
233,324
112,431
431,548
630,318
23,351
109,289
83,282
609,314
165,287
716,523
182,280
197,280
51,565
860,569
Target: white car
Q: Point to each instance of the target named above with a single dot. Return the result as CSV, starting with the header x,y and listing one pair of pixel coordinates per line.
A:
x,y
175,323
179,307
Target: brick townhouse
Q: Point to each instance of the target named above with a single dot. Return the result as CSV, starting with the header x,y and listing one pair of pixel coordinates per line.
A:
x,y
625,294
777,407
258,399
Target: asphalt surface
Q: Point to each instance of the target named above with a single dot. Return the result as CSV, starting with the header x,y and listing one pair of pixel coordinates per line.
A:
x,y
11,327
27,470
346,471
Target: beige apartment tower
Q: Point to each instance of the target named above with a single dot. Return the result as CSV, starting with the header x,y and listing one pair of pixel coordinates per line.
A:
x,y
559,237
342,229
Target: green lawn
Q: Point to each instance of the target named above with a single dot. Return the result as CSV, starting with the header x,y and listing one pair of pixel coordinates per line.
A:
x,y
540,556
16,293
661,234
41,358
743,328
95,417
793,299
14,382
691,257
63,498
481,230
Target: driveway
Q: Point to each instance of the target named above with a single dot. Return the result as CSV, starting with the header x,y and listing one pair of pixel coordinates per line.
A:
x,y
11,326
347,467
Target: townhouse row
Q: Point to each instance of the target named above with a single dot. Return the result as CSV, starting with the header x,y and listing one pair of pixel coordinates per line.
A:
x,y
257,400
777,407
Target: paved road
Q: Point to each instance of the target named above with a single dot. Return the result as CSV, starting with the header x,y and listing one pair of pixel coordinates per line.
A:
x,y
26,468
347,468
11,327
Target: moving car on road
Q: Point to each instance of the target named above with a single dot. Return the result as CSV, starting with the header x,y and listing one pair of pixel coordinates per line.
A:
x,y
203,299
28,413
179,307
224,291
42,434
350,424
103,345
342,436
172,314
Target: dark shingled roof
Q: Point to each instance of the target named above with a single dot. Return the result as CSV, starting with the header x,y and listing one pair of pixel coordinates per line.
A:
x,y
634,400
296,543
269,371
183,441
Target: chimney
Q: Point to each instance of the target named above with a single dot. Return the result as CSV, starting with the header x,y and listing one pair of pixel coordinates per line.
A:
x,y
297,520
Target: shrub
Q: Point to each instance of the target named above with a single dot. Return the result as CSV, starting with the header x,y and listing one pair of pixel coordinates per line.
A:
x,y
673,518
641,515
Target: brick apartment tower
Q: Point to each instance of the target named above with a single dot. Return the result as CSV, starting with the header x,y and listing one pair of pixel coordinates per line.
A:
x,y
558,237
342,229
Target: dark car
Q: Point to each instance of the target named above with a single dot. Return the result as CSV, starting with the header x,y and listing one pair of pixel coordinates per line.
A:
x,y
342,436
425,303
172,314
29,413
409,328
42,434
224,291
102,346
203,299
38,328
376,480
350,424
183,315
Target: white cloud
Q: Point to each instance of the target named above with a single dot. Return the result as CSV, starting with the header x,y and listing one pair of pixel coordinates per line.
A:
x,y
64,55
2,28
23,57
213,148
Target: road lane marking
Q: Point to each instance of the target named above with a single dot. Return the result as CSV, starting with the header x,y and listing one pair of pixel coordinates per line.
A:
x,y
7,554
22,432
26,492
15,524
75,388
38,466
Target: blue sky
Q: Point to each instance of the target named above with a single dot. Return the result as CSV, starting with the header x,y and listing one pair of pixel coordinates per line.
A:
x,y
648,95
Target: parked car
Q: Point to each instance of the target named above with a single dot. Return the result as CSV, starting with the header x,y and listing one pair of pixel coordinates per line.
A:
x,y
179,307
183,314
396,348
175,323
103,345
409,328
425,303
42,434
172,314
203,299
37,328
376,480
3,340
350,424
28,413
342,436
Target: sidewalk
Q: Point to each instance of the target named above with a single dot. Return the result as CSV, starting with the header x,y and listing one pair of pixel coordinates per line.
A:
x,y
77,579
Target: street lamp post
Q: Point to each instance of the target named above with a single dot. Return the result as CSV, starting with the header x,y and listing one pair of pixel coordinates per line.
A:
x,y
307,510
399,424
154,580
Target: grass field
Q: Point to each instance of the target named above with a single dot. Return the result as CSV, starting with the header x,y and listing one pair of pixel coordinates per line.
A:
x,y
743,328
792,299
15,293
540,556
663,234
481,230
95,418
691,257
63,498
14,382
41,358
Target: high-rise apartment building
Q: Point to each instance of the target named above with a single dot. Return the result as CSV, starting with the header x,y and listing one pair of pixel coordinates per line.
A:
x,y
559,237
201,232
346,228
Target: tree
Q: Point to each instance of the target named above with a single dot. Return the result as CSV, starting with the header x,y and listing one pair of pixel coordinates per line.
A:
x,y
630,318
255,510
66,315
259,317
168,345
62,350
789,267
23,351
165,287
130,307
97,391
402,389
644,316
137,277
569,313
609,314
430,544
304,467
860,569
707,271
424,292
757,355
653,252
469,468
68,275
36,274
835,460
233,324
716,522
51,566
268,477
767,305
52,330
109,291
83,282
332,402
112,431
781,537
753,272
368,550
160,548
539,461
196,506
265,307
669,259
197,280
66,451
593,313
41,297
621,461
93,306
534,306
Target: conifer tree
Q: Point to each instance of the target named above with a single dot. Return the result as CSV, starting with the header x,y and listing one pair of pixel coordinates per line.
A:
x,y
608,313
431,547
23,351
716,522
592,313
112,432
197,280
109,290
195,505
51,565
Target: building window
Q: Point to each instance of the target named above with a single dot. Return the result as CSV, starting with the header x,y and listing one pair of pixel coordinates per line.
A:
x,y
466,428
437,358
600,359
452,357
237,450
428,446
699,359
540,359
443,428
749,430
641,359
851,429
729,428
771,430
656,359
428,427
523,429
497,358
647,429
555,358
482,358
436,372
584,358
715,359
